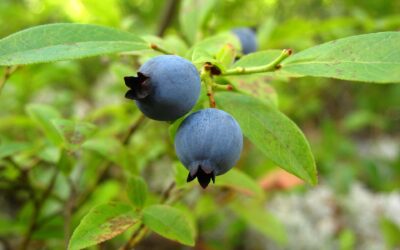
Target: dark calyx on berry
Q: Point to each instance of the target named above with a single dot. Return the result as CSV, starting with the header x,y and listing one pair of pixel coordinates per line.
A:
x,y
203,176
140,86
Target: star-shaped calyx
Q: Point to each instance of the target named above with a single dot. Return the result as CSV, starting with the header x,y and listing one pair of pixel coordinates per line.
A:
x,y
203,176
140,86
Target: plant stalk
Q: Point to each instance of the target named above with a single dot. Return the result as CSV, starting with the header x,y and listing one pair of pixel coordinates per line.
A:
x,y
274,65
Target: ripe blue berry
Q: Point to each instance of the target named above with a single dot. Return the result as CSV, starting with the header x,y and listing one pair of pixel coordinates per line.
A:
x,y
166,87
247,39
208,143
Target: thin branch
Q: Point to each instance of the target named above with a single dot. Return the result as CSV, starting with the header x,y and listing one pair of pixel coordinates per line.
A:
x,y
210,94
136,237
133,129
125,141
167,16
226,87
167,193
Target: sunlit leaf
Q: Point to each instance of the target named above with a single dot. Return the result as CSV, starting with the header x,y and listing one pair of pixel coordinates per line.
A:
x,y
65,41
368,58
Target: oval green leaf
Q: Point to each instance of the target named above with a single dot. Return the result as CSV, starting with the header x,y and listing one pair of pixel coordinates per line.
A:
x,y
102,223
367,58
273,133
256,59
65,41
170,223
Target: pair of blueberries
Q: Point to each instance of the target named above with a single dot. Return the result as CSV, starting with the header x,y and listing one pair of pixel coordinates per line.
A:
x,y
208,142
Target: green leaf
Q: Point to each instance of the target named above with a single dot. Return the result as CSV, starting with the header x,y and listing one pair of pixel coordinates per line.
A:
x,y
170,223
257,86
108,148
65,41
241,182
11,148
102,223
137,191
226,56
42,115
192,16
273,133
261,220
207,49
65,163
369,58
256,59
74,133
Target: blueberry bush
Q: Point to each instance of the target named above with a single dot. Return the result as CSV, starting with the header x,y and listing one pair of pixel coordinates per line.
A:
x,y
106,121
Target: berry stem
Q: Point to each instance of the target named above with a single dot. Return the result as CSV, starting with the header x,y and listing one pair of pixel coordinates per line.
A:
x,y
206,77
210,95
274,65
226,87
157,48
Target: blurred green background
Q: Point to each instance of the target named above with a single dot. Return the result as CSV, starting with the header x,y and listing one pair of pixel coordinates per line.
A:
x,y
353,129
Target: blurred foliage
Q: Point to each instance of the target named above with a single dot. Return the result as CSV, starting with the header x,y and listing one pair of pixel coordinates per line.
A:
x,y
71,115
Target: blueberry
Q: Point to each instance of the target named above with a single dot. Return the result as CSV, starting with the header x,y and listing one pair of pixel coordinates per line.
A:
x,y
247,39
208,143
166,87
